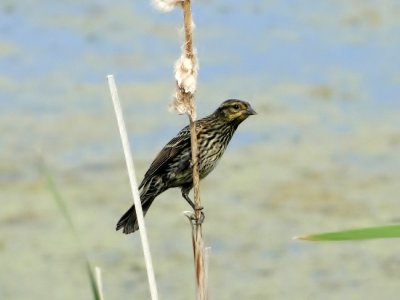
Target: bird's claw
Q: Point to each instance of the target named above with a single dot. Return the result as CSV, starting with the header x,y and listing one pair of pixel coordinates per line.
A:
x,y
192,216
198,220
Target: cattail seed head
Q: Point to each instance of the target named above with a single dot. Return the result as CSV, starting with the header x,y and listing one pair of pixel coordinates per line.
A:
x,y
186,70
166,5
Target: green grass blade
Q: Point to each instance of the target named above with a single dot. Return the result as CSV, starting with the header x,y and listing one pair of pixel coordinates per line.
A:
x,y
380,232
64,211
59,201
93,282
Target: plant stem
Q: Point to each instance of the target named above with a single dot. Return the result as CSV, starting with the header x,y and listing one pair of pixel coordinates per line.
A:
x,y
187,22
134,187
197,234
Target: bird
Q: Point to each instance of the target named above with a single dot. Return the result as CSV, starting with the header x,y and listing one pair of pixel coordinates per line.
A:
x,y
172,167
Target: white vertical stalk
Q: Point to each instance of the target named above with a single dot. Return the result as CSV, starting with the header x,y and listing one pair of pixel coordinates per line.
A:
x,y
134,186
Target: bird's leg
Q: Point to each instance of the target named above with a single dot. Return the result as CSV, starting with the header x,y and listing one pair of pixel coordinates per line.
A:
x,y
185,194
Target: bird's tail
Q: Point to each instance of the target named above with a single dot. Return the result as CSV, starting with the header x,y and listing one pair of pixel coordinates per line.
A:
x,y
129,221
151,189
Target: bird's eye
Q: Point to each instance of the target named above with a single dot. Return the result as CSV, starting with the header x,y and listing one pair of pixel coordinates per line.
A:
x,y
236,106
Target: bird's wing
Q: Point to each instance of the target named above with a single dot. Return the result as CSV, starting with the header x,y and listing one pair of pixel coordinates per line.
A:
x,y
170,150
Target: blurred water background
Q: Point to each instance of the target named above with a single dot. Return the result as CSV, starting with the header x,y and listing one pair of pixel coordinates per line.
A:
x,y
321,155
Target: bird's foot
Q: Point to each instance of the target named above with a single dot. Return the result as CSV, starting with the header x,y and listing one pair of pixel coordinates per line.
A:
x,y
193,218
198,220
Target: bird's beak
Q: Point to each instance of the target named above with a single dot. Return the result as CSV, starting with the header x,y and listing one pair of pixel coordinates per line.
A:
x,y
250,111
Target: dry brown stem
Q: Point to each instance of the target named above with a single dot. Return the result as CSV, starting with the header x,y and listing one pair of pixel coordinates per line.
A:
x,y
185,97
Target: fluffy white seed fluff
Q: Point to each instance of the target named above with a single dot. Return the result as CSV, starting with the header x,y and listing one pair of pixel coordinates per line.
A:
x,y
178,105
186,70
166,5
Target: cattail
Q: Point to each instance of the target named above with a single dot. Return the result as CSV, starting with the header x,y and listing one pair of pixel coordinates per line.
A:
x,y
166,5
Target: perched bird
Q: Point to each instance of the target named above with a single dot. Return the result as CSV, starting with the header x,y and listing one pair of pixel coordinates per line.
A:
x,y
173,166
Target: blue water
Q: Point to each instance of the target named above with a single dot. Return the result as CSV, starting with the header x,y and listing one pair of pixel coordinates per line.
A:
x,y
268,43
56,56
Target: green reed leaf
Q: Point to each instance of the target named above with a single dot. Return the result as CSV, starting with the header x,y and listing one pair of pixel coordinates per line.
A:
x,y
380,232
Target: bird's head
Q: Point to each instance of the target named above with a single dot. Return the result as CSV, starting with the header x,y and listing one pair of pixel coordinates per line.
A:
x,y
234,110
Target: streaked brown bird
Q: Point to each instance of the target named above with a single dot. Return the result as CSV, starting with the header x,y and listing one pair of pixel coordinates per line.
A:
x,y
172,167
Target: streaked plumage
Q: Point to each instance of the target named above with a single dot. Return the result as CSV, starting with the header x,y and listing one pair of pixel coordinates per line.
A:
x,y
172,166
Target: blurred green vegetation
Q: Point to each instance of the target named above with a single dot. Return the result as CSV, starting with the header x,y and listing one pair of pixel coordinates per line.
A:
x,y
390,231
